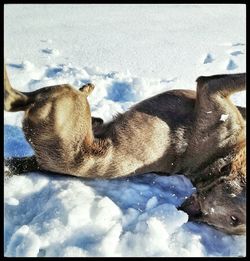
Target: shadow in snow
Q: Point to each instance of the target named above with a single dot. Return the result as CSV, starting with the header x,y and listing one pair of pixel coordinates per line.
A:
x,y
15,144
16,65
122,92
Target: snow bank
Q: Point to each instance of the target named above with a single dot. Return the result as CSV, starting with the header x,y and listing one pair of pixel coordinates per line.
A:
x,y
130,53
57,216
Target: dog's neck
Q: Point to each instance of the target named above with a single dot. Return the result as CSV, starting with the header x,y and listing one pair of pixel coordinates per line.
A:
x,y
230,165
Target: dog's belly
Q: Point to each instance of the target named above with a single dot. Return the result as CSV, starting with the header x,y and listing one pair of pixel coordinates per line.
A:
x,y
147,146
152,136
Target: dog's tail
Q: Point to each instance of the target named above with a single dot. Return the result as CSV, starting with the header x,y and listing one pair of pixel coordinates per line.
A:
x,y
14,100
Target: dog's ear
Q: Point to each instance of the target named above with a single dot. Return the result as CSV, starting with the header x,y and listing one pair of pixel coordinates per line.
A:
x,y
87,88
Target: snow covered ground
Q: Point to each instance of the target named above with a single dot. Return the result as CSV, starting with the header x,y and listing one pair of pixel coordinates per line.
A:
x,y
129,52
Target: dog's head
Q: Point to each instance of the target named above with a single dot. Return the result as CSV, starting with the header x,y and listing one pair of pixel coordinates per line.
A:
x,y
222,202
223,206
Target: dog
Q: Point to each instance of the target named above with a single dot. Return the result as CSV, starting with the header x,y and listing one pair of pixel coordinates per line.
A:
x,y
200,134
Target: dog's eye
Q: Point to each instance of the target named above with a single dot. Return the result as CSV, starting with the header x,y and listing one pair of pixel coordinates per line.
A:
x,y
234,221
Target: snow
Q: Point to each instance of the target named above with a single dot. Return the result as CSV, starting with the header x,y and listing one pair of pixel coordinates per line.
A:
x,y
224,117
130,52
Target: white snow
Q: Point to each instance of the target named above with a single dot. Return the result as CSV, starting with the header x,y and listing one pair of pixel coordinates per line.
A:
x,y
224,117
130,52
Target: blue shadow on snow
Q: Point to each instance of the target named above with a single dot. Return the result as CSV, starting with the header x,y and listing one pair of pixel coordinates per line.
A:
x,y
122,92
15,144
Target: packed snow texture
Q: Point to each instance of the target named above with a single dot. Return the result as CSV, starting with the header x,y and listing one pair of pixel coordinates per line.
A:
x,y
129,52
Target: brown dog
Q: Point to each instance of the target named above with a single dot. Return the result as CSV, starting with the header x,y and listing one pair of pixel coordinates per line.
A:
x,y
199,134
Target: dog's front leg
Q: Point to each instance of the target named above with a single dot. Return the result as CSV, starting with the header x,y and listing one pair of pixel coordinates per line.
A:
x,y
16,166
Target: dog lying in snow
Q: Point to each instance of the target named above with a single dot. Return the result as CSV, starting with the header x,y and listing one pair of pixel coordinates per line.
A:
x,y
199,134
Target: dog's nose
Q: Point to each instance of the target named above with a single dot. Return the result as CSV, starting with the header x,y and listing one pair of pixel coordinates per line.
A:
x,y
192,207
